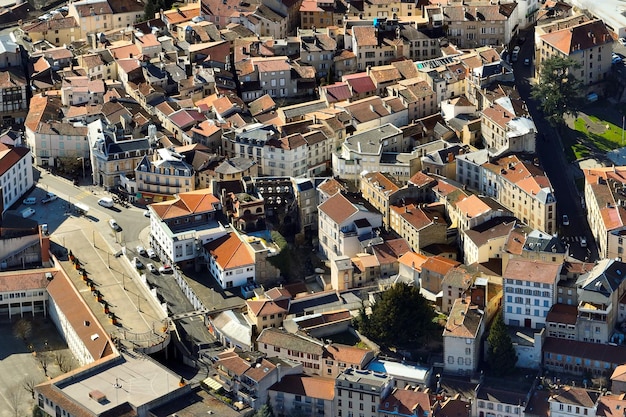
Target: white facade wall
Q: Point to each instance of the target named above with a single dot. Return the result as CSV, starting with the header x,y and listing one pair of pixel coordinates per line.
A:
x,y
17,180
76,345
526,301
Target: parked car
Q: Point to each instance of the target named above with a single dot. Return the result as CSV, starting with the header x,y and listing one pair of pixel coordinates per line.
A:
x,y
28,212
565,220
527,62
622,41
49,198
114,225
166,269
146,213
30,201
515,54
152,269
138,264
106,202
151,253
141,250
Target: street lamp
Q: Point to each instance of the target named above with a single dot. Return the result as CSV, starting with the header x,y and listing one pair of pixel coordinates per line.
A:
x,y
82,159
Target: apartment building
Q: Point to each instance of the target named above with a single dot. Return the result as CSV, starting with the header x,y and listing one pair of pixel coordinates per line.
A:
x,y
605,197
487,240
420,224
82,90
317,48
97,15
163,175
57,30
266,313
476,24
599,293
286,156
533,244
111,157
381,149
416,95
433,272
249,142
302,395
529,292
304,349
371,112
230,260
13,101
519,185
179,226
504,131
266,75
574,401
16,174
361,391
377,188
342,223
462,337
589,43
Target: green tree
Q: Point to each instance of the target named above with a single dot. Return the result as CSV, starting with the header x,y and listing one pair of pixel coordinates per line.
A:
x,y
558,91
264,411
402,318
501,355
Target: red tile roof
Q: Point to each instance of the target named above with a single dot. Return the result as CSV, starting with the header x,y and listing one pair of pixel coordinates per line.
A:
x,y
338,208
9,157
198,201
230,252
307,385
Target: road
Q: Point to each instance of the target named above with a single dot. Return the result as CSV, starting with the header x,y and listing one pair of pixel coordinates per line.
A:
x,y
552,157
133,224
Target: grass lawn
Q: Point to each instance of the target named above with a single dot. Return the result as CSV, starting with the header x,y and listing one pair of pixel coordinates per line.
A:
x,y
586,137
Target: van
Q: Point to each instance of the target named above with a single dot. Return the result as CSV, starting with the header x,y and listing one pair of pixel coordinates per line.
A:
x,y
106,202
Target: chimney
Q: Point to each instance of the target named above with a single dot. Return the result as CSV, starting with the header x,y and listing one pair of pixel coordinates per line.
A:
x,y
450,157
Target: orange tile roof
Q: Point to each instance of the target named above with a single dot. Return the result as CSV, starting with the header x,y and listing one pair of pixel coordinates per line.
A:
x,y
464,319
587,35
331,187
311,386
348,354
42,108
277,294
413,260
230,252
383,180
439,264
406,402
182,14
365,35
67,298
472,206
198,201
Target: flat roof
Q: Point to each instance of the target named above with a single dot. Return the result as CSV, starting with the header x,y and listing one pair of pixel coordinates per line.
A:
x,y
400,370
133,379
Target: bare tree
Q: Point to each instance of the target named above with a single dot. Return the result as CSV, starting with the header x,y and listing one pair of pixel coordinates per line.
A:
x,y
44,361
29,384
63,361
15,398
22,329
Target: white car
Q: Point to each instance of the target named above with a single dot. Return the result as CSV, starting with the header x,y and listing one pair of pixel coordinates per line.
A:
x,y
30,201
565,220
146,213
622,41
49,197
152,268
114,225
151,253
141,250
583,242
166,269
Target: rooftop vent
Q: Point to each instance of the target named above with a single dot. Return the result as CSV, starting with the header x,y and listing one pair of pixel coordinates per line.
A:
x,y
98,396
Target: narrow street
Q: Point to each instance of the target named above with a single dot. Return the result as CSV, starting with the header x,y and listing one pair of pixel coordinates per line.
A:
x,y
552,157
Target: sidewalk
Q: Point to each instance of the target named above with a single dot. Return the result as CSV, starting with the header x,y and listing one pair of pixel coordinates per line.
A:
x,y
139,320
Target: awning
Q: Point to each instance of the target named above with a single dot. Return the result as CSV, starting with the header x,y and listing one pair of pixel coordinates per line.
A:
x,y
213,384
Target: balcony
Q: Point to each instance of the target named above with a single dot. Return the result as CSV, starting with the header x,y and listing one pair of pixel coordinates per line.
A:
x,y
587,309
